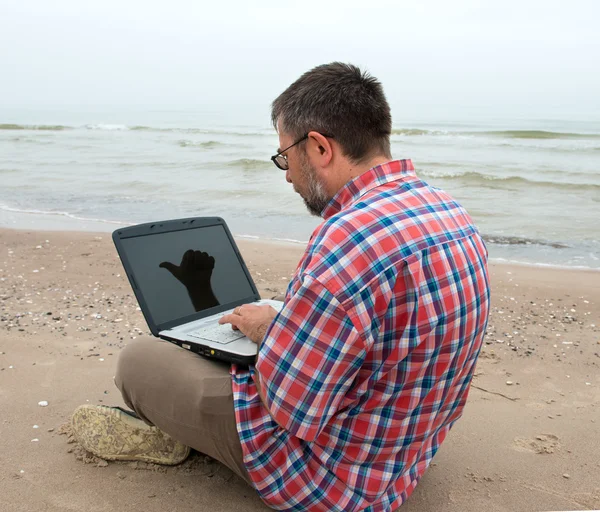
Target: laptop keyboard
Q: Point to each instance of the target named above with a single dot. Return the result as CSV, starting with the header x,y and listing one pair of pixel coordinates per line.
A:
x,y
222,334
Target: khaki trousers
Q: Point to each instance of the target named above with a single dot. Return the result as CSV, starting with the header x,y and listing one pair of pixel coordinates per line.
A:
x,y
185,395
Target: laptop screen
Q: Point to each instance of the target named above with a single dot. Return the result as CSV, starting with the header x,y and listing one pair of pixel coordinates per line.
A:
x,y
180,273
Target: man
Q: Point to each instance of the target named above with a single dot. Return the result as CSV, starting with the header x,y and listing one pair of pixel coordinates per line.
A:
x,y
361,375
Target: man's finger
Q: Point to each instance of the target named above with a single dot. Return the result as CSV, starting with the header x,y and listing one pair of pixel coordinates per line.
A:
x,y
232,319
227,319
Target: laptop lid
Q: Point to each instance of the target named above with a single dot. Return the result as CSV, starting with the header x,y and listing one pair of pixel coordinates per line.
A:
x,y
184,270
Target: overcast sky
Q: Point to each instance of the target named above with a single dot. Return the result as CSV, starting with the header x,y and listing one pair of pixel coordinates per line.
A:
x,y
529,57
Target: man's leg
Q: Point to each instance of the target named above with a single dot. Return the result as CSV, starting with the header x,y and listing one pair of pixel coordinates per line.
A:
x,y
185,395
181,399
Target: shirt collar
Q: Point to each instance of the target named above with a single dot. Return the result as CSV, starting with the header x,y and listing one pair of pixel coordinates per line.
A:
x,y
395,170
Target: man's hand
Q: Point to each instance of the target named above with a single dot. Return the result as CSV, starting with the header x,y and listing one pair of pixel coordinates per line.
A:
x,y
251,319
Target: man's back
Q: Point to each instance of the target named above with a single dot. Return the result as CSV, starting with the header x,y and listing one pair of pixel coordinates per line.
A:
x,y
370,362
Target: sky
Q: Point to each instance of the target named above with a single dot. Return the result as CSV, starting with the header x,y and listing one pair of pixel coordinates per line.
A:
x,y
536,58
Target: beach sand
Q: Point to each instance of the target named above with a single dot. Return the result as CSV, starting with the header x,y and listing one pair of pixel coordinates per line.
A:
x,y
528,440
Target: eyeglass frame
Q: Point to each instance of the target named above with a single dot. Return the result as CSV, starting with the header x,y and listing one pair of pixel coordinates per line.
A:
x,y
280,154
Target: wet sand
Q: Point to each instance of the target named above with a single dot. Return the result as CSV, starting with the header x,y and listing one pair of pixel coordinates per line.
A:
x,y
528,440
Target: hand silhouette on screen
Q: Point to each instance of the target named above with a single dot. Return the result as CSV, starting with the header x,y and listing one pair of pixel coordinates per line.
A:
x,y
194,272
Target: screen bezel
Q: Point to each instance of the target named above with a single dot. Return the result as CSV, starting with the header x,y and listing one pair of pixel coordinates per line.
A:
x,y
168,226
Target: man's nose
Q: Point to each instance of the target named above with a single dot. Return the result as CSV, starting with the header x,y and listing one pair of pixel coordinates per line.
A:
x,y
287,176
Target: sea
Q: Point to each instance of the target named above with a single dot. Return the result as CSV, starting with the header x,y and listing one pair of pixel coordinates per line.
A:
x,y
531,185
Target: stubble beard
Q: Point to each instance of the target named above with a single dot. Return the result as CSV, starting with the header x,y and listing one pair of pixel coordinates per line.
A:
x,y
316,197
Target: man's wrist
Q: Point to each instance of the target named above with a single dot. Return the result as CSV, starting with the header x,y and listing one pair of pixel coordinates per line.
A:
x,y
261,333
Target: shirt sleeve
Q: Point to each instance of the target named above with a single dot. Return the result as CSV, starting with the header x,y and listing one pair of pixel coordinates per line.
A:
x,y
308,360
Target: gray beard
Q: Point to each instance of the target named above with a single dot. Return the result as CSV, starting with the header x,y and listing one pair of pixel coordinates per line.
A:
x,y
316,198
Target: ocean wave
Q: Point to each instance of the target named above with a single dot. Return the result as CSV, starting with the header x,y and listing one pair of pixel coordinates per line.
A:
x,y
417,131
61,127
487,179
516,240
272,239
69,215
204,131
258,132
31,140
209,144
106,127
543,265
537,134
141,128
504,134
559,147
41,127
249,164
135,186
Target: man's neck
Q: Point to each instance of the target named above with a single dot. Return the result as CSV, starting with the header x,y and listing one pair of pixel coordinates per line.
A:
x,y
354,170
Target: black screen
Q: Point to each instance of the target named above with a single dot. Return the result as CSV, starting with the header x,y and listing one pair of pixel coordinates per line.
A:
x,y
182,272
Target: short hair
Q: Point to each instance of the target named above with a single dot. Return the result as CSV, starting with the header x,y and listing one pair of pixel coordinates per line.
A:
x,y
340,100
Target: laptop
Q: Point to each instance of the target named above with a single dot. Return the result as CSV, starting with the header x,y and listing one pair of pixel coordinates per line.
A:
x,y
186,274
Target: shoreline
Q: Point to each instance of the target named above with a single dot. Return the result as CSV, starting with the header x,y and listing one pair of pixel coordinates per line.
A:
x,y
51,222
524,443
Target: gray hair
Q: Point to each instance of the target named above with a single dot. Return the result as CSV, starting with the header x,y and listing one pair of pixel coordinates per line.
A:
x,y
341,101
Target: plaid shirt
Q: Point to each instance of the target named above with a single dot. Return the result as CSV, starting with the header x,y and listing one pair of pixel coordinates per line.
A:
x,y
369,363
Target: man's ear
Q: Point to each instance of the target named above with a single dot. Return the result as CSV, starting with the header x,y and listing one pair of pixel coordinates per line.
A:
x,y
321,147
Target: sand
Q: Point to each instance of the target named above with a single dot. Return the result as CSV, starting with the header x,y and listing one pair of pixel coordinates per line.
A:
x,y
528,440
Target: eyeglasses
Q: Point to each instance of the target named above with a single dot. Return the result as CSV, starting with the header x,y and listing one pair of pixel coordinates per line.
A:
x,y
281,161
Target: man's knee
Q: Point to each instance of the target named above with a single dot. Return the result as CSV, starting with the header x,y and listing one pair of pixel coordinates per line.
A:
x,y
131,359
151,367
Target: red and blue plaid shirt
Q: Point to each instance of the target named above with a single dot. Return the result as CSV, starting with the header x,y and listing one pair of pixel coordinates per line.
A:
x,y
369,363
